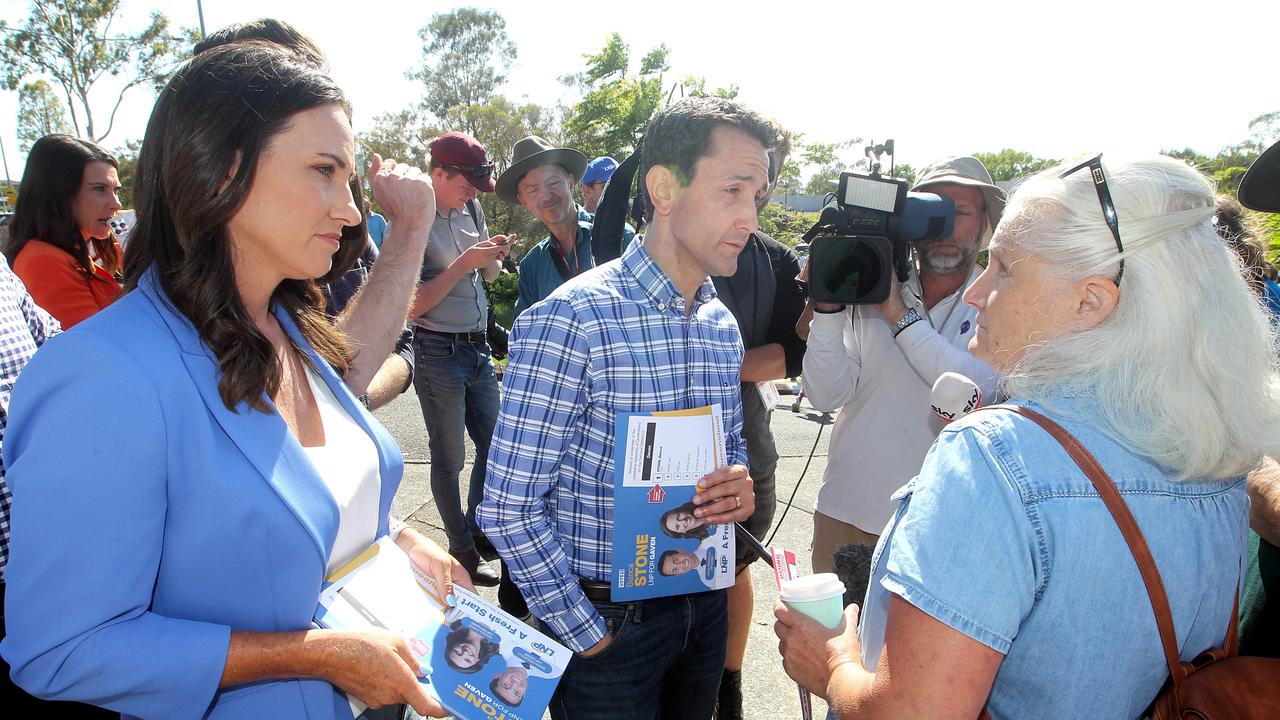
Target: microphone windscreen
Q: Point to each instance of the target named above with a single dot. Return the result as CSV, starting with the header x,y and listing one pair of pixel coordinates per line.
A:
x,y
853,567
954,396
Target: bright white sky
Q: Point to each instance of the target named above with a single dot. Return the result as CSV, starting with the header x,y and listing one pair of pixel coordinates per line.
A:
x,y
1054,79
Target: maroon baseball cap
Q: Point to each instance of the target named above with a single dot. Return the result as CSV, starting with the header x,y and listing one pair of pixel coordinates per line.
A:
x,y
463,153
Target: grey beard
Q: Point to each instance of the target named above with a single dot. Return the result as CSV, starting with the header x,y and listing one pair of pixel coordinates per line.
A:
x,y
945,265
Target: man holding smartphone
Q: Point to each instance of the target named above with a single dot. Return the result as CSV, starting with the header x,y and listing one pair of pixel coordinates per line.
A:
x,y
454,374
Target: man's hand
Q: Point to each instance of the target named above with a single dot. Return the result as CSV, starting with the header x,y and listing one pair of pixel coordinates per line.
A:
x,y
725,495
404,192
893,309
505,242
479,256
599,647
811,652
1264,501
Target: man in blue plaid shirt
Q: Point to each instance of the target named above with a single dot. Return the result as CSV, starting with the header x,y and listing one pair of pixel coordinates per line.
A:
x,y
640,334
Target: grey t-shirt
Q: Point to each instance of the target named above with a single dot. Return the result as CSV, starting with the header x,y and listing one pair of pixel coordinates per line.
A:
x,y
465,308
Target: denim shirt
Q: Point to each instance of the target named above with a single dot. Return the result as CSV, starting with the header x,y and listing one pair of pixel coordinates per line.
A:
x,y
1003,538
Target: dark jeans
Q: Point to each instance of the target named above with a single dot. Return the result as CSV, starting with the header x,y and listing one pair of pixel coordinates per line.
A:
x,y
458,390
665,662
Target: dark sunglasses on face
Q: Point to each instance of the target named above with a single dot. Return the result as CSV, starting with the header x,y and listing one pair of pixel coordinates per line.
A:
x,y
476,171
1104,199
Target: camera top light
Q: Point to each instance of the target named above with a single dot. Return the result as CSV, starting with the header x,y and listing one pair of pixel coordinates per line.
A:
x,y
870,192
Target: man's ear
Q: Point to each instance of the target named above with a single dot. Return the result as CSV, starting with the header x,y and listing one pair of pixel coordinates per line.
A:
x,y
663,187
1098,299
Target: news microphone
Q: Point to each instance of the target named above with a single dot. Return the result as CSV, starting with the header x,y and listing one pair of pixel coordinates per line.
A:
x,y
954,396
853,567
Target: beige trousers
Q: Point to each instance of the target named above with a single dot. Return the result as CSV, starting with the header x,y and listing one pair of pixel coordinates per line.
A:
x,y
829,534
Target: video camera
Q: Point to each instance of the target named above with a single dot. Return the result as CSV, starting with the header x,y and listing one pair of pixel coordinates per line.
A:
x,y
864,235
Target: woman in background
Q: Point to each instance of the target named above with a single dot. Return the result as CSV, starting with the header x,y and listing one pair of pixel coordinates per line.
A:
x,y
60,243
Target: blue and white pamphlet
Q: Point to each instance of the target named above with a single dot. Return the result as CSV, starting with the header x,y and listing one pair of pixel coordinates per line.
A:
x,y
659,547
480,663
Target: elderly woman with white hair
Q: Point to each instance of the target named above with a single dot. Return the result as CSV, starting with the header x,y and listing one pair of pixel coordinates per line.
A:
x,y
1003,581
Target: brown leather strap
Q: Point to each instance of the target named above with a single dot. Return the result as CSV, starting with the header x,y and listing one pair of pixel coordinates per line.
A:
x,y
1128,527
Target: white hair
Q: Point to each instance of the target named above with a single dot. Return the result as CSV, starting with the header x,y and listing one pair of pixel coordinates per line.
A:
x,y
1185,368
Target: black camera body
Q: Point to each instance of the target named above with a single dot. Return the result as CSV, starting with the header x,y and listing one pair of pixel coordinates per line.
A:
x,y
863,237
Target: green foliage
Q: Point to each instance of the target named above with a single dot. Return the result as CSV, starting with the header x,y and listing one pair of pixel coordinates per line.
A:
x,y
402,135
466,54
127,157
905,171
73,43
695,86
1228,166
1264,130
827,157
502,295
615,107
1270,223
40,113
1010,164
785,225
504,288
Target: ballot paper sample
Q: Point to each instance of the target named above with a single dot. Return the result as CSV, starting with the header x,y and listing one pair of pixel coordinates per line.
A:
x,y
659,547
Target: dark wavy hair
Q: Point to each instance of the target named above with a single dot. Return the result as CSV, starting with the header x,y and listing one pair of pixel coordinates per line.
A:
x,y
457,633
698,533
268,30
219,112
52,179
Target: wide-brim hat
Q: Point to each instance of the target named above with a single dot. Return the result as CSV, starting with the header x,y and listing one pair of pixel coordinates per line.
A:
x,y
1260,188
966,170
530,153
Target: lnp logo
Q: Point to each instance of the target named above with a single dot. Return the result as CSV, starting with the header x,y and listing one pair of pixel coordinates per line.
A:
x,y
964,327
657,495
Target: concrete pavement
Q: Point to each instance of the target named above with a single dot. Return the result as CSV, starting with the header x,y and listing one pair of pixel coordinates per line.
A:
x,y
767,692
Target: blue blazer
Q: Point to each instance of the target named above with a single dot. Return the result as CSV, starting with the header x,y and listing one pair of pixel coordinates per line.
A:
x,y
149,521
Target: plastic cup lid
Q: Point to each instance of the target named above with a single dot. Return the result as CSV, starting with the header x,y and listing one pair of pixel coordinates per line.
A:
x,y
811,587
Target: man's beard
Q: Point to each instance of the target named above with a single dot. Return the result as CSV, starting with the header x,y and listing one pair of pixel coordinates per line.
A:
x,y
950,263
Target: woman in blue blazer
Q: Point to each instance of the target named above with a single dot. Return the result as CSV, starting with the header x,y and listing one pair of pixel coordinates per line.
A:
x,y
170,531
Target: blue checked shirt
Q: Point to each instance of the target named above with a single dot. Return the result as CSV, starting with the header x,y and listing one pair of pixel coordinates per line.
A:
x,y
24,327
614,339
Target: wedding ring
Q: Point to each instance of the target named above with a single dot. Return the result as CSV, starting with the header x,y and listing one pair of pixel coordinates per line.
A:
x,y
737,500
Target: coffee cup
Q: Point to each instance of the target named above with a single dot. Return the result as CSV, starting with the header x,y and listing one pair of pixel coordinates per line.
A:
x,y
820,596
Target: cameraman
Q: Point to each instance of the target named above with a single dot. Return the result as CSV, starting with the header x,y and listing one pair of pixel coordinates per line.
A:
x,y
878,363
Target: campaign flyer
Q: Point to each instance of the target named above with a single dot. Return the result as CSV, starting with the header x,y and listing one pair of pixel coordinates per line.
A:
x,y
659,547
481,663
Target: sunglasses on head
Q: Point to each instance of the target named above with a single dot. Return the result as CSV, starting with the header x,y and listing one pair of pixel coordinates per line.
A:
x,y
1104,198
477,171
